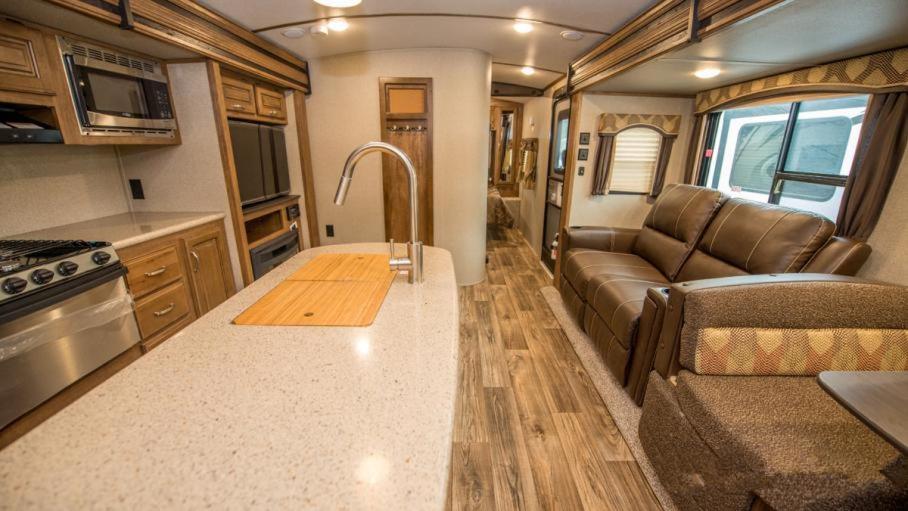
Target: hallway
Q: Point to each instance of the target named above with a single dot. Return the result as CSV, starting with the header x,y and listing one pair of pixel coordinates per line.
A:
x,y
530,430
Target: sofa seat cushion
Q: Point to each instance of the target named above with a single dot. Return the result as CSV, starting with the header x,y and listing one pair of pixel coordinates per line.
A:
x,y
807,451
618,301
581,264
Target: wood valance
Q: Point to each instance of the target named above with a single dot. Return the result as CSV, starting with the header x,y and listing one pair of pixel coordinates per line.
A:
x,y
879,72
611,124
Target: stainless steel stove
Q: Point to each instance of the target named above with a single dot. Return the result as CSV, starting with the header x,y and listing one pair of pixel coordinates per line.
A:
x,y
64,312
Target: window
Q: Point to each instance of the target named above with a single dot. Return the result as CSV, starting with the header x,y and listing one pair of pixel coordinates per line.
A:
x,y
797,154
634,162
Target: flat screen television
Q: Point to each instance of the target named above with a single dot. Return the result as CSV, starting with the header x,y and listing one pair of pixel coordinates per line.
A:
x,y
260,157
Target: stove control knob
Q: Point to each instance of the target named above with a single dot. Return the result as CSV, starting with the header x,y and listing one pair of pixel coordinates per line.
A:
x,y
100,257
42,276
14,285
67,268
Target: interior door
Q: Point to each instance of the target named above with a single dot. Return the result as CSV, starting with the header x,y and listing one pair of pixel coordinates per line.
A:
x,y
406,118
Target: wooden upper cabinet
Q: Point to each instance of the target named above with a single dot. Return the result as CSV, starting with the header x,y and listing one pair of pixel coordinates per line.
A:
x,y
247,99
209,268
239,95
24,61
270,102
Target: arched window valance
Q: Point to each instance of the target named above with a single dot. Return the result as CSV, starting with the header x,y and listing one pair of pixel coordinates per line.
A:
x,y
611,125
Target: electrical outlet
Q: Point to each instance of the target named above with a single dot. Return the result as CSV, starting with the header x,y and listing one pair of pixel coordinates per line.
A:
x,y
135,187
581,171
329,230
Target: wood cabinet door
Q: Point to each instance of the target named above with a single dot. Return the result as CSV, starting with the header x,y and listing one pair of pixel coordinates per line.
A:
x,y
270,103
23,60
239,95
212,282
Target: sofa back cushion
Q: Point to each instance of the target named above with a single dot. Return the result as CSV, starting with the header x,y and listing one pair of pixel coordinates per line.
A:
x,y
748,237
839,256
674,225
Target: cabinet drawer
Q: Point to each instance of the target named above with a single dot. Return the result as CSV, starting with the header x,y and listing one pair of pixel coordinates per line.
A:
x,y
239,96
153,271
162,308
270,103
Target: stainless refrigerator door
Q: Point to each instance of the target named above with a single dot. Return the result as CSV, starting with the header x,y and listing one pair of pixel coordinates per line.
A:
x,y
44,352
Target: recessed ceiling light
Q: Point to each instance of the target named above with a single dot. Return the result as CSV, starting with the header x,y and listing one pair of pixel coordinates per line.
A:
x,y
527,70
522,26
707,72
340,4
338,24
294,32
571,35
319,30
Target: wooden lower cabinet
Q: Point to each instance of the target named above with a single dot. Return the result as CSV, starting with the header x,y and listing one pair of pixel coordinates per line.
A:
x,y
177,278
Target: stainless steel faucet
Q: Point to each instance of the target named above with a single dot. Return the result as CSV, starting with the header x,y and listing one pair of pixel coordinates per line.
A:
x,y
412,264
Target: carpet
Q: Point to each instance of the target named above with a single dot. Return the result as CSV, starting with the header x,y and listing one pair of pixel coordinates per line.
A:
x,y
620,405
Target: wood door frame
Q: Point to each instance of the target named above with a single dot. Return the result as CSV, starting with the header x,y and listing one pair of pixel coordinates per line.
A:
x,y
428,118
569,164
517,127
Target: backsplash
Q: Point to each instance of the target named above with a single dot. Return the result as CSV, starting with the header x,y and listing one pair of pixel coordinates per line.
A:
x,y
47,185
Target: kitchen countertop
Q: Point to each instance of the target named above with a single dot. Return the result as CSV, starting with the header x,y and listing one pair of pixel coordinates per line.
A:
x,y
124,229
236,417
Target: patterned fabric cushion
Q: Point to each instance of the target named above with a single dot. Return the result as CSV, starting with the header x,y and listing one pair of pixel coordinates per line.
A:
x,y
793,352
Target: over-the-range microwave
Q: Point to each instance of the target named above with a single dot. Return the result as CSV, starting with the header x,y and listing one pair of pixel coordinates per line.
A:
x,y
115,93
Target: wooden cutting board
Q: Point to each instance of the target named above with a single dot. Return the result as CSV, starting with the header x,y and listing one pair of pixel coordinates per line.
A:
x,y
330,290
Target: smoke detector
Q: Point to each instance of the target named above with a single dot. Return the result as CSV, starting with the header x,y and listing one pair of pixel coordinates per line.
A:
x,y
571,35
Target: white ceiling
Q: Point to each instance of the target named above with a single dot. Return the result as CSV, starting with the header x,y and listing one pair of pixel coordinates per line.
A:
x,y
507,73
796,35
481,24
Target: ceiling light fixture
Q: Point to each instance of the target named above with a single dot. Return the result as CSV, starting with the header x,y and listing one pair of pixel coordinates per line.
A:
x,y
338,24
707,72
319,31
523,26
339,4
571,35
527,70
294,32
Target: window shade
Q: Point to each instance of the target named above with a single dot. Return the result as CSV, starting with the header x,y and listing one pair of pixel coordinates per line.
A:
x,y
636,154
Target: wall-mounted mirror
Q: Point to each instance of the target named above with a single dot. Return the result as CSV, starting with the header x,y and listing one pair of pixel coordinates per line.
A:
x,y
506,119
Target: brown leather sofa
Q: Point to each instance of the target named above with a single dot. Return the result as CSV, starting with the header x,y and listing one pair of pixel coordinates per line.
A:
x,y
734,413
614,279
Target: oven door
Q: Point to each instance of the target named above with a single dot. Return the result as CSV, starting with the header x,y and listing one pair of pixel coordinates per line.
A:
x,y
55,340
112,96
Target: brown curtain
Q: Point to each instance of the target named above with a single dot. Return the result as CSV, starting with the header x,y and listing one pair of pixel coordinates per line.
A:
x,y
693,147
665,152
603,164
883,140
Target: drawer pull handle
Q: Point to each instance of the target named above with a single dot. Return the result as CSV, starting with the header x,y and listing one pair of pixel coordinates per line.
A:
x,y
237,106
198,262
155,273
164,311
273,112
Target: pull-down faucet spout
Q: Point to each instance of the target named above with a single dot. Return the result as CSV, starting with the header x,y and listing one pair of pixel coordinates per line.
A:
x,y
413,262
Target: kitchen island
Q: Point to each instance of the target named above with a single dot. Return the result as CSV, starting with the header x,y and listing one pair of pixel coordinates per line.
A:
x,y
238,417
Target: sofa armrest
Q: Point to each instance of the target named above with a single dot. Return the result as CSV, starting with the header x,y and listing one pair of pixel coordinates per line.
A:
x,y
650,327
841,256
792,323
607,239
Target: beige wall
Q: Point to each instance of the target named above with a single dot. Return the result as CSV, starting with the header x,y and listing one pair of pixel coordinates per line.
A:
x,y
187,177
890,237
344,113
48,185
624,210
537,115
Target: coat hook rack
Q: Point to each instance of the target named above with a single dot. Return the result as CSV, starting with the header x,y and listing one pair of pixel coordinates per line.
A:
x,y
406,127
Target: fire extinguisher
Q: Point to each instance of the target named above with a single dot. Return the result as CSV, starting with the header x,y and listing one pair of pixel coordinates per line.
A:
x,y
555,247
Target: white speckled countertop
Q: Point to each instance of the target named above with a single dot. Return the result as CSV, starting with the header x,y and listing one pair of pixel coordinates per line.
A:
x,y
239,417
124,229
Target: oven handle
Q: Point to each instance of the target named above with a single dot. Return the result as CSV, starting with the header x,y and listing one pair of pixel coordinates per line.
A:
x,y
14,309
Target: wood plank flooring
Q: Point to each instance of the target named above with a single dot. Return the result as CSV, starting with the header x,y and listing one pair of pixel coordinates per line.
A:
x,y
530,430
